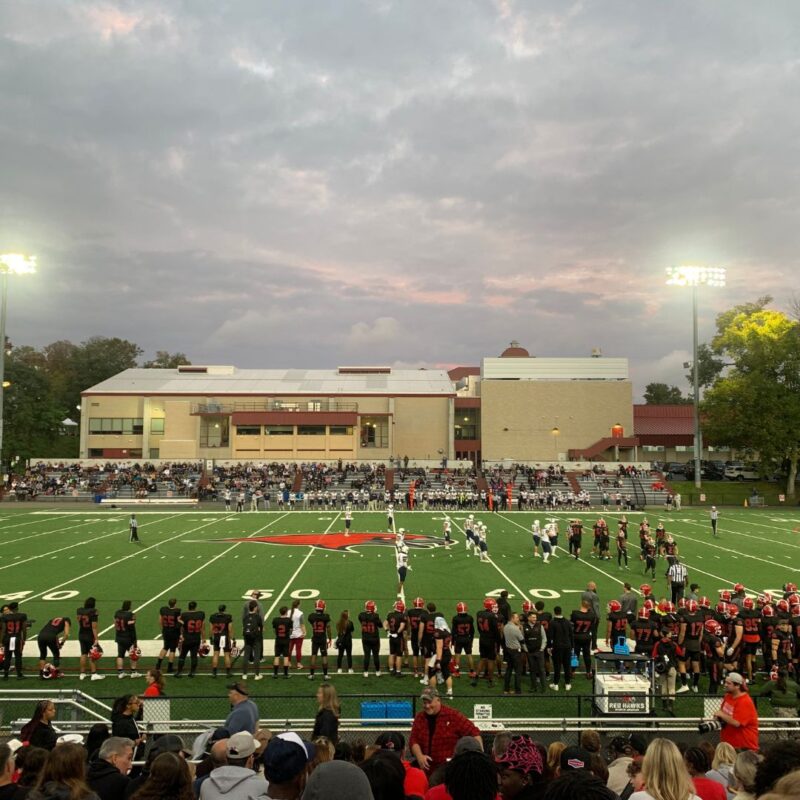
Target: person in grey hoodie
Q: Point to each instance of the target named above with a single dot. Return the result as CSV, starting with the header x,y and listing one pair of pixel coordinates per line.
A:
x,y
236,780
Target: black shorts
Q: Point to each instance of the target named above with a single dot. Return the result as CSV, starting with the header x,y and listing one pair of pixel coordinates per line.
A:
x,y
463,646
47,643
691,650
414,645
86,645
396,645
319,646
215,642
347,523
487,649
750,648
171,638
122,648
428,647
282,648
577,541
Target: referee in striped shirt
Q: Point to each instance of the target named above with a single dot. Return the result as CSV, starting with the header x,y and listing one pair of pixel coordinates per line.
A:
x,y
678,577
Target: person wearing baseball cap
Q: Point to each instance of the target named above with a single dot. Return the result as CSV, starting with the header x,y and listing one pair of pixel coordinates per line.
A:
x,y
436,731
285,761
575,758
244,712
237,780
739,714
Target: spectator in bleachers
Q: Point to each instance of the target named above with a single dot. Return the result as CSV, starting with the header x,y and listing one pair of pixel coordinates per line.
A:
x,y
337,780
63,775
665,774
780,759
471,775
576,784
744,774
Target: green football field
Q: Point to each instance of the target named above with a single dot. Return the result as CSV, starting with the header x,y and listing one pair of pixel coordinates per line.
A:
x,y
50,560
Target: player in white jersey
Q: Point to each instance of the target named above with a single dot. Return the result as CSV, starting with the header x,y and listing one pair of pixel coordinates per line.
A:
x,y
446,530
483,546
390,516
469,532
400,537
348,519
401,561
552,535
536,535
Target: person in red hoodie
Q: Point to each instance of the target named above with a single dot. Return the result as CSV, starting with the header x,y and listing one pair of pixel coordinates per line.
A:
x,y
697,763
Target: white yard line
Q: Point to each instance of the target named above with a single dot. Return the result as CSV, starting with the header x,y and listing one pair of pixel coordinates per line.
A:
x,y
199,569
285,589
5,542
710,542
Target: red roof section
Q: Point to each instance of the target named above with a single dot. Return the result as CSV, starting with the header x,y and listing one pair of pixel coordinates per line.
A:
x,y
673,420
457,373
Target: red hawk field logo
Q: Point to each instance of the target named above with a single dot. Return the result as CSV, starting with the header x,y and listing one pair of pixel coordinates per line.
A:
x,y
338,541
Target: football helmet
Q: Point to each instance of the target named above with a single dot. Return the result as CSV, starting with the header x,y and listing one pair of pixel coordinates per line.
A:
x,y
235,651
614,606
782,606
528,606
401,532
370,606
644,613
795,610
399,606
713,627
461,608
646,589
733,610
319,605
670,606
748,603
682,602
692,606
135,653
48,672
738,587
793,599
663,606
204,649
649,604
725,595
96,652
791,588
488,603
419,602
704,602
768,611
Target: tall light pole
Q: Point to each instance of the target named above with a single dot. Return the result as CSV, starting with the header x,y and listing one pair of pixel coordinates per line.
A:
x,y
696,276
10,264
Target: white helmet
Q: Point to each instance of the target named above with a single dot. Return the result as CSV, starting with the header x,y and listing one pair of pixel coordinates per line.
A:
x,y
401,531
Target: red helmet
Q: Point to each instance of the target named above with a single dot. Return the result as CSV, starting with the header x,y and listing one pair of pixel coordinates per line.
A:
x,y
135,653
235,652
204,649
713,627
682,602
399,606
691,606
738,587
488,603
646,589
768,611
370,606
643,613
649,604
663,606
319,605
614,606
767,597
96,652
790,587
793,599
670,607
528,606
795,610
783,606
461,608
419,602
748,603
722,608
725,595
48,672
733,610
704,602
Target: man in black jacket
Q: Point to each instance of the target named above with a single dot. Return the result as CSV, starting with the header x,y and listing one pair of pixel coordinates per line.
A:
x,y
560,642
108,773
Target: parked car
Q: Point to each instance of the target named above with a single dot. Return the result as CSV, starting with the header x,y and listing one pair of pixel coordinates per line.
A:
x,y
741,473
708,472
674,469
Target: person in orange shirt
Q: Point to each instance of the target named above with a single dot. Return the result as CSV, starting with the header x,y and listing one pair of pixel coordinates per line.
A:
x,y
739,715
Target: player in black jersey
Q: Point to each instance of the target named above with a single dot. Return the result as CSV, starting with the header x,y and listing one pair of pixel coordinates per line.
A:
x,y
622,548
426,631
463,630
221,639
282,626
125,638
416,617
395,625
252,638
320,622
617,627
644,631
650,557
714,652
193,633
169,622
52,637
15,628
370,637
782,644
575,535
690,641
583,621
488,641
87,636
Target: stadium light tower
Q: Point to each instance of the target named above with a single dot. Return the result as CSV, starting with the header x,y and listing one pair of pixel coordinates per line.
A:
x,y
695,276
10,264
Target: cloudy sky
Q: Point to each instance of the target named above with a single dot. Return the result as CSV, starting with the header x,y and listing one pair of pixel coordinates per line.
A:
x,y
310,184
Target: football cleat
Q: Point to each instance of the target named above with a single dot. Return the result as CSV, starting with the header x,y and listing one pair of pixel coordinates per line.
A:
x,y
488,603
319,605
704,602
419,602
135,653
691,606
614,606
768,611
96,652
400,606
370,606
528,606
204,649
646,589
748,603
461,608
713,627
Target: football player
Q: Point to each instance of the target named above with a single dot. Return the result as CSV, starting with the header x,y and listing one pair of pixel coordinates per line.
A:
x,y
583,621
488,641
52,637
617,623
15,626
282,626
395,624
751,637
446,530
643,631
222,639
125,638
469,532
320,623
390,517
483,545
650,557
193,633
416,617
253,639
441,657
689,640
370,637
401,561
348,519
463,629
714,652
169,622
622,548
575,538
536,535
87,636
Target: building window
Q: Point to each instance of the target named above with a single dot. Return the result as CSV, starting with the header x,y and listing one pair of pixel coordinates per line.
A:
x,y
279,430
684,448
314,405
214,431
653,448
341,430
154,451
156,425
310,430
374,432
248,430
130,426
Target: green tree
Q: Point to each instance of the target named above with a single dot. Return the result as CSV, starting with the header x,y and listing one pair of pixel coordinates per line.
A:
x,y
660,394
755,407
166,360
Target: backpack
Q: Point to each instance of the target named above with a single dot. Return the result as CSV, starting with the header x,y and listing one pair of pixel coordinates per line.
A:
x,y
251,625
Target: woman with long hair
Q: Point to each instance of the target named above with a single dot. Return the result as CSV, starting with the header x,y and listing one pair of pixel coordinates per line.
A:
x,y
29,763
665,774
39,731
155,683
124,713
63,776
722,767
326,723
344,641
297,635
97,734
169,779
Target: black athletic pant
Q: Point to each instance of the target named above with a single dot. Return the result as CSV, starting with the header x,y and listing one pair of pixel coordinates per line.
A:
x,y
17,657
536,668
190,649
561,659
583,649
371,648
345,649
